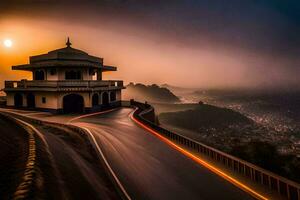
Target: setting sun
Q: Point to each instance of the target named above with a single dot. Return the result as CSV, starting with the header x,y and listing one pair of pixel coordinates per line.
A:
x,y
7,43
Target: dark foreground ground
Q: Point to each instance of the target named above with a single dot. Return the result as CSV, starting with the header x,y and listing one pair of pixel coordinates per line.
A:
x,y
66,167
13,155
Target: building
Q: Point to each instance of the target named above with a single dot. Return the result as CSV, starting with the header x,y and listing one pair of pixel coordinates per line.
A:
x,y
65,80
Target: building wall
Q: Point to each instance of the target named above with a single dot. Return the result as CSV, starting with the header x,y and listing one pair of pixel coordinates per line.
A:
x,y
60,74
54,100
51,100
52,77
85,74
118,95
87,97
10,99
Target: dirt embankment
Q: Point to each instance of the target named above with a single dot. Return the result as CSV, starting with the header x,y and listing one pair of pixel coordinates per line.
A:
x,y
64,165
14,150
78,170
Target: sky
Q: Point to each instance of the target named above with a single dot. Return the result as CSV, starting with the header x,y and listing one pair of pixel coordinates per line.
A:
x,y
188,43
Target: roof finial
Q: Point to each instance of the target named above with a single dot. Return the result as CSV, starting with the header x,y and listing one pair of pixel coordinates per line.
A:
x,y
68,43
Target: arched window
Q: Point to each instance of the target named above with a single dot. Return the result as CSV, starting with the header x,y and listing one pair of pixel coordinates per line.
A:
x,y
95,100
18,100
39,75
105,99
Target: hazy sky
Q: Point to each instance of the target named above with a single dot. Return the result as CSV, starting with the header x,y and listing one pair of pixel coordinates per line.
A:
x,y
196,43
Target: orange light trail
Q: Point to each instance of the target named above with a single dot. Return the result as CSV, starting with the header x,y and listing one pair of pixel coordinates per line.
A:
x,y
92,114
202,162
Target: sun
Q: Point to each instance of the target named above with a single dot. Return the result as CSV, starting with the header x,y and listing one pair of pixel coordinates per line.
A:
x,y
7,43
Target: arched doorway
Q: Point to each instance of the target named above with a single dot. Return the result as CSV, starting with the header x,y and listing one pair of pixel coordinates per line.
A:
x,y
39,75
73,103
95,100
18,100
112,96
105,99
30,100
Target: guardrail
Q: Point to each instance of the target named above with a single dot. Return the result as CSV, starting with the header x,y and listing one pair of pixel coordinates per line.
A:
x,y
285,187
62,83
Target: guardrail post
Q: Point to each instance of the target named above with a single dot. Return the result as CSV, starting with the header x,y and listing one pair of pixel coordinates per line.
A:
x,y
244,169
278,186
288,191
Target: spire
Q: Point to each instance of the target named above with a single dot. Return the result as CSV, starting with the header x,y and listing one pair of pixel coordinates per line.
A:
x,y
68,43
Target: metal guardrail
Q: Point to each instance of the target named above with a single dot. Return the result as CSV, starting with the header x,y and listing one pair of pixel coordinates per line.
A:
x,y
285,187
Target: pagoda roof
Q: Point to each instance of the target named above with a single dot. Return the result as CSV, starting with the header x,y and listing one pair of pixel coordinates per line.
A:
x,y
65,57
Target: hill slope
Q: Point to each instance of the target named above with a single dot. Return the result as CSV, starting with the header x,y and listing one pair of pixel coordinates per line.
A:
x,y
150,93
204,116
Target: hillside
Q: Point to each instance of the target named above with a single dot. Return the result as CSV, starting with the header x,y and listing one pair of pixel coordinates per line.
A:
x,y
204,116
150,93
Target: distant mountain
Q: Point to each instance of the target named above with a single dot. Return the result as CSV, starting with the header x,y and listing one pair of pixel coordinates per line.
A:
x,y
186,95
150,93
172,87
178,89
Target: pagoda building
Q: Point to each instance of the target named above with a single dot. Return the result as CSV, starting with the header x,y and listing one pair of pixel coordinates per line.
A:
x,y
65,80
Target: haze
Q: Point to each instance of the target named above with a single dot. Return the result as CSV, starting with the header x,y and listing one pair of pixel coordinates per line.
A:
x,y
189,43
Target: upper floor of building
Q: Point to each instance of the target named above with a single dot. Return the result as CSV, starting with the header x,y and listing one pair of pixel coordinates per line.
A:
x,y
65,64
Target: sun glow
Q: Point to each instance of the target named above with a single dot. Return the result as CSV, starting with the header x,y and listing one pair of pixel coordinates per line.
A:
x,y
7,43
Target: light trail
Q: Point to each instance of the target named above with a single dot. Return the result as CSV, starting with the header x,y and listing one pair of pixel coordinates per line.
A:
x,y
186,153
92,114
202,162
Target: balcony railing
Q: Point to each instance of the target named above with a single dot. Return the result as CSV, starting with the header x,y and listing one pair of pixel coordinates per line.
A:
x,y
23,84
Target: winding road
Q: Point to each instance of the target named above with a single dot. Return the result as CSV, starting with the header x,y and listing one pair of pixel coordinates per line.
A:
x,y
150,169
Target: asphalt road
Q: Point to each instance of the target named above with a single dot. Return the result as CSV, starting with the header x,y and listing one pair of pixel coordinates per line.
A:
x,y
150,169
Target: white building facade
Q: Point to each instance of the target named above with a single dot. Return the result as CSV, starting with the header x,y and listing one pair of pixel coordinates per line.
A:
x,y
65,80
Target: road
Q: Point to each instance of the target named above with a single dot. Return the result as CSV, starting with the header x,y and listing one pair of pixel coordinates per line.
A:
x,y
150,169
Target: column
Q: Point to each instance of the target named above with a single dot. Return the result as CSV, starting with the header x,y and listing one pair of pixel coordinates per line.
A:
x,y
99,75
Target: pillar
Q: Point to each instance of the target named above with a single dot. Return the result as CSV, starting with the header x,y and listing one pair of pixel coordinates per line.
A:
x,y
99,75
